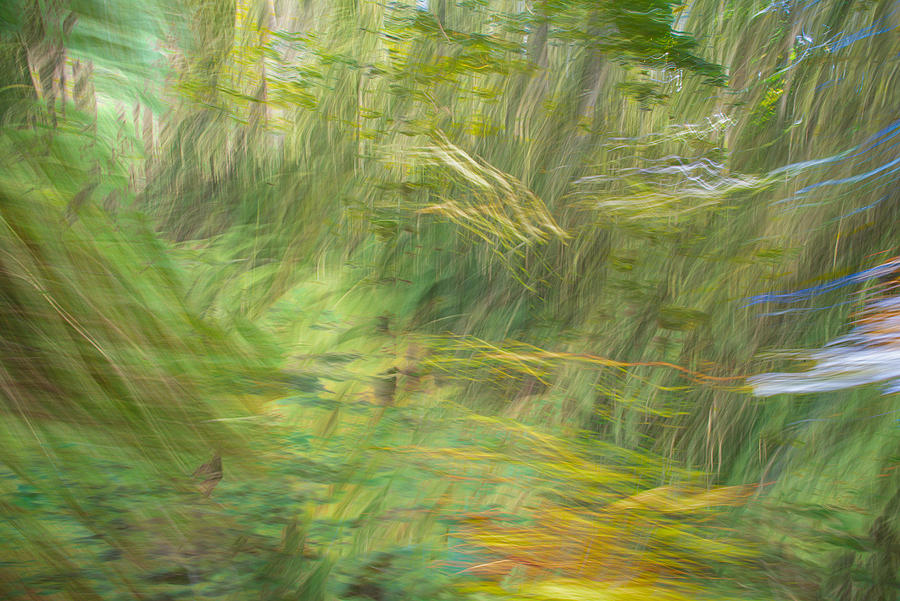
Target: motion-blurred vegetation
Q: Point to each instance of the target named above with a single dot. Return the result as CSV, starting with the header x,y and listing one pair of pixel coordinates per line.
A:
x,y
474,299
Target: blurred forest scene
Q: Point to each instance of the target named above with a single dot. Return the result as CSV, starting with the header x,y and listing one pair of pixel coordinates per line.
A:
x,y
433,300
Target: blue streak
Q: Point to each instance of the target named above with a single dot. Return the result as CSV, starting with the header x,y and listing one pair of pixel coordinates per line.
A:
x,y
854,278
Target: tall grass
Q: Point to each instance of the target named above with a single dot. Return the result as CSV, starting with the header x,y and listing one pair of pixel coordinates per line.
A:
x,y
563,217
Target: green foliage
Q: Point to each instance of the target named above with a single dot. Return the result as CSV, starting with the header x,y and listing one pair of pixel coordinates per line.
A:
x,y
459,293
